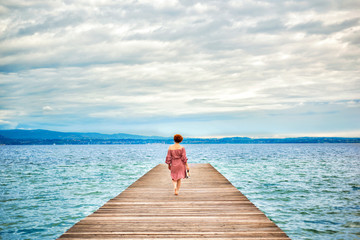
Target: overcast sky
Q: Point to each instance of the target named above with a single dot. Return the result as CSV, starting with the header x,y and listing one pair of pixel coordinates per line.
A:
x,y
198,68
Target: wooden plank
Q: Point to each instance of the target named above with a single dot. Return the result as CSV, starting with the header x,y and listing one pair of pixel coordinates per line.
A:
x,y
208,206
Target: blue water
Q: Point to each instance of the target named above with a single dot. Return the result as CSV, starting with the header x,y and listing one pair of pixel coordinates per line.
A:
x,y
312,191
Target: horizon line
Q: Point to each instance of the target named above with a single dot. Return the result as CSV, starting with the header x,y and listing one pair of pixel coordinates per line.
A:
x,y
275,136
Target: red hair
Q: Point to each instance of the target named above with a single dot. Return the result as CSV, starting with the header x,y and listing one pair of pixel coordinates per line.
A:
x,y
178,138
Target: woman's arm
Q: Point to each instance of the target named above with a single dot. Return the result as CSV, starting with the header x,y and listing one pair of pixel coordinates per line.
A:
x,y
168,159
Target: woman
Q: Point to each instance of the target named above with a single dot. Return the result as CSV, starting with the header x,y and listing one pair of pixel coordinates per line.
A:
x,y
177,162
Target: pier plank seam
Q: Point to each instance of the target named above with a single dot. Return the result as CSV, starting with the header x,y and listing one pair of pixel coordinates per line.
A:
x,y
207,207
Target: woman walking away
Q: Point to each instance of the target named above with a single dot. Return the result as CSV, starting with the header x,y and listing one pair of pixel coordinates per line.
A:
x,y
177,162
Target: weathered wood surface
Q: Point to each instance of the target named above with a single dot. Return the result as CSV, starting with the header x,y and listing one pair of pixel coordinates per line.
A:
x,y
208,206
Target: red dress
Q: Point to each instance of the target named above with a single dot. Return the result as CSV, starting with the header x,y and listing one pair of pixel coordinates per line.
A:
x,y
177,159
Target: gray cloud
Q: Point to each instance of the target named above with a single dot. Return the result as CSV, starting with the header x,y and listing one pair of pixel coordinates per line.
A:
x,y
318,27
268,26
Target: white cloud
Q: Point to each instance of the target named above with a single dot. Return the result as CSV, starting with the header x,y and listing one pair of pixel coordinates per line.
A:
x,y
4,122
161,4
47,108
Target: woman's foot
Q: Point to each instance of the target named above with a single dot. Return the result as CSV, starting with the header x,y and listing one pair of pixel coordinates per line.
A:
x,y
176,192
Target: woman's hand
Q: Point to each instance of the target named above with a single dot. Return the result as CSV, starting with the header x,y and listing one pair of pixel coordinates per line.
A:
x,y
187,167
169,167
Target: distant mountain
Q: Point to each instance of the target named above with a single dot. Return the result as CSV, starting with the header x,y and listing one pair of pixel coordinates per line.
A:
x,y
46,137
40,134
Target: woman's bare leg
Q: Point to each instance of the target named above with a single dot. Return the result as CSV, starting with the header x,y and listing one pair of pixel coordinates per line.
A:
x,y
178,185
175,186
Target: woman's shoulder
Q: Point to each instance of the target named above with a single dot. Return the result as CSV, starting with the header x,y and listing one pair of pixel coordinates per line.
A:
x,y
172,147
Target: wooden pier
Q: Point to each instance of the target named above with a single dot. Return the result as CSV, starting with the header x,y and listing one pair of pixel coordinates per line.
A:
x,y
208,206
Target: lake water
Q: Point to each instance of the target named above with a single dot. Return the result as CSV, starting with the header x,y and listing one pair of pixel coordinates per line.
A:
x,y
311,191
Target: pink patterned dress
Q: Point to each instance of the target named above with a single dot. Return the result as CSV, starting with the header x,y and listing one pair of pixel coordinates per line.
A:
x,y
177,159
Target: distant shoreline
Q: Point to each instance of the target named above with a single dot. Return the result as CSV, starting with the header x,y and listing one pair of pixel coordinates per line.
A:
x,y
45,137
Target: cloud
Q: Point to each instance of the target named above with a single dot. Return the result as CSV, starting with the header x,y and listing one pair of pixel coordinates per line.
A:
x,y
47,108
145,62
318,27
